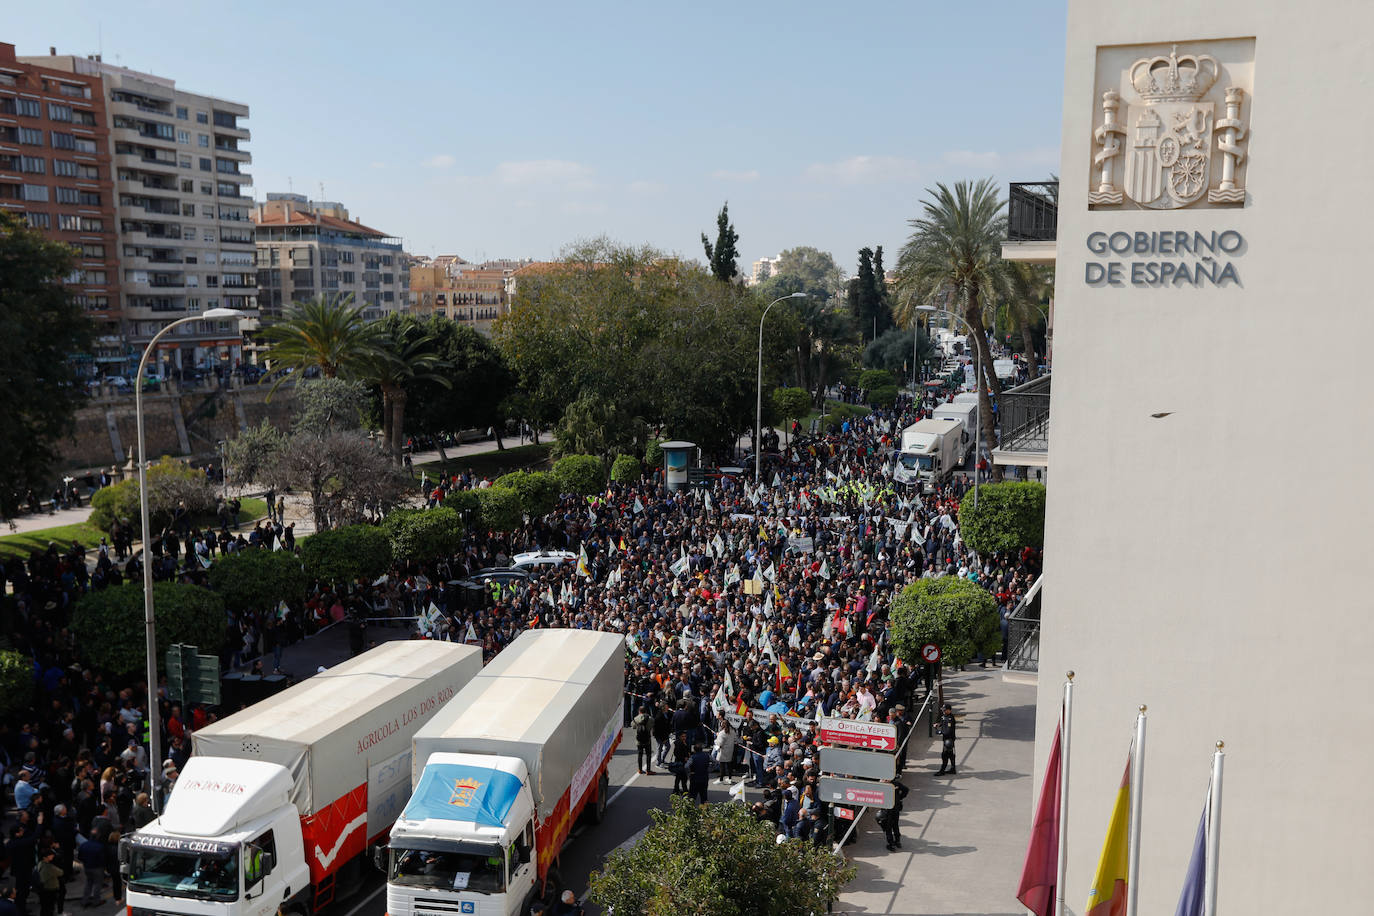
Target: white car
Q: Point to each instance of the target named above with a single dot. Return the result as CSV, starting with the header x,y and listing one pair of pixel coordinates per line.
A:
x,y
543,558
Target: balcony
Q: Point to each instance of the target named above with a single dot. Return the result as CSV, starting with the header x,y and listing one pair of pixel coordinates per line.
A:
x,y
1032,222
145,163
1024,416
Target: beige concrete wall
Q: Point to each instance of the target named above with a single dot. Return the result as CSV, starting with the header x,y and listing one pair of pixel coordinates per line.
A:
x,y
1212,563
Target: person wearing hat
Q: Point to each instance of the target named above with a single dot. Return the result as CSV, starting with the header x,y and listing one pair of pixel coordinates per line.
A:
x,y
945,729
568,905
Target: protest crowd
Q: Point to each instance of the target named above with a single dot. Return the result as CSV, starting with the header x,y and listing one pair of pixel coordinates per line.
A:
x,y
748,611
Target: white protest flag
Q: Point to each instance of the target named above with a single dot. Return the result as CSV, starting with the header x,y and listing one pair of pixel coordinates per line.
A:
x,y
758,576
794,638
777,480
680,565
632,643
548,597
732,577
768,606
720,702
753,637
582,568
707,500
830,475
639,506
471,635
770,573
825,569
277,543
675,588
282,611
829,629
719,545
729,684
768,650
684,642
737,791
804,502
753,497
610,547
730,625
874,661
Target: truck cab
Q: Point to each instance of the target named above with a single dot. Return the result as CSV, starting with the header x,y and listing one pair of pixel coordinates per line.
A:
x,y
466,842
220,846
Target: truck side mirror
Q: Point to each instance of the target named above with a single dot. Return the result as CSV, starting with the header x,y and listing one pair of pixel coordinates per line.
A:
x,y
125,856
268,863
379,858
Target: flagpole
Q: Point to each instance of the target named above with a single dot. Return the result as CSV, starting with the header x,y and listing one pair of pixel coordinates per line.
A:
x,y
1209,894
1137,804
1063,863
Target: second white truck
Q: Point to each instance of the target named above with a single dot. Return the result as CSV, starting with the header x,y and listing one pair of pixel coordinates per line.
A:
x,y
931,450
503,773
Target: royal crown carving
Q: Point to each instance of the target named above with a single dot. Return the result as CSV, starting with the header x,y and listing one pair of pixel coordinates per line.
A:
x,y
1174,78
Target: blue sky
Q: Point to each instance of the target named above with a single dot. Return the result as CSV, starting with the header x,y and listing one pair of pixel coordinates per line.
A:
x,y
511,129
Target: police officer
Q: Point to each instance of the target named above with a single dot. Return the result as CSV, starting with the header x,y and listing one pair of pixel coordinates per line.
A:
x,y
945,728
889,819
903,723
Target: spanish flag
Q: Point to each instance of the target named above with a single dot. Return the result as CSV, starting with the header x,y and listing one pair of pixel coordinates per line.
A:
x,y
1107,897
741,707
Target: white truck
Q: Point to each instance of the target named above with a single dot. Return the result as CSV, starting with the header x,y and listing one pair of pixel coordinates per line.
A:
x,y
967,414
275,808
931,451
503,773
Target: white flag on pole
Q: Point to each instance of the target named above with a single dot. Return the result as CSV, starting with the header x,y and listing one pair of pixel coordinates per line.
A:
x,y
680,566
794,638
874,661
639,506
471,635
770,573
824,571
719,545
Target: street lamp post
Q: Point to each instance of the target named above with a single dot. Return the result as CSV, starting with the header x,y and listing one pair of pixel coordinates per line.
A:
x,y
977,407
758,413
149,632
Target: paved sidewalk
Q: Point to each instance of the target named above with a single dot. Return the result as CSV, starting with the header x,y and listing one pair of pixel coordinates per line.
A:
x,y
964,836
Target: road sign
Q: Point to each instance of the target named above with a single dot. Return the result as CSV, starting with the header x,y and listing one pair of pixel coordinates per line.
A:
x,y
850,762
930,652
843,813
875,735
192,678
858,792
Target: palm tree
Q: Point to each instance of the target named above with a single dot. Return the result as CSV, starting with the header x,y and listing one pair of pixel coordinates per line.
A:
x,y
329,334
403,353
953,260
1032,285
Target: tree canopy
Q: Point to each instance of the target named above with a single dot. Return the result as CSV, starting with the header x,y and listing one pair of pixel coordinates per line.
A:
x,y
107,624
325,333
1008,516
41,330
723,256
957,615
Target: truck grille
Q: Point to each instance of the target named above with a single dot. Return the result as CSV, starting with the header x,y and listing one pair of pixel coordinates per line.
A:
x,y
438,906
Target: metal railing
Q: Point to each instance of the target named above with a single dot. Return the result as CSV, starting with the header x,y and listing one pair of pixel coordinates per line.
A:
x,y
1032,211
1023,632
1024,416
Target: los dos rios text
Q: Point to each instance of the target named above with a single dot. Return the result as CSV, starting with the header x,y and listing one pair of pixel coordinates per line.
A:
x,y
1197,258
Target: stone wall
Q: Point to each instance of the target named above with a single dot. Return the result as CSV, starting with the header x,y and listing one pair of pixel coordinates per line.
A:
x,y
182,423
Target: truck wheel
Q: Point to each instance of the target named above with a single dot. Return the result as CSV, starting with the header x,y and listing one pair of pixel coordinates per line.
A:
x,y
603,787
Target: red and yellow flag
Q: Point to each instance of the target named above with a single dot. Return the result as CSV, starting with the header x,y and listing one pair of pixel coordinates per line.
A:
x,y
1107,896
783,674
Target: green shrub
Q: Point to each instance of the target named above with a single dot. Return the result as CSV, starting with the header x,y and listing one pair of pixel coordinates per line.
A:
x,y
538,490
870,379
107,625
883,397
653,454
955,614
16,681
580,474
792,403
1009,516
257,579
499,509
171,484
626,469
346,554
424,534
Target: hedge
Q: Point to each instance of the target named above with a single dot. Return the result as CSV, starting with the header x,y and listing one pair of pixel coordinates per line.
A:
x,y
347,554
580,474
107,625
955,614
1009,516
258,579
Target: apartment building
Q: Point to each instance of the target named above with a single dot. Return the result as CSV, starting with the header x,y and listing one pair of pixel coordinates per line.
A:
x,y
308,248
55,171
474,294
184,219
763,268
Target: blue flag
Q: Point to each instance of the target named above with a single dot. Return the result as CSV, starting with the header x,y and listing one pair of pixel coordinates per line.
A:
x,y
1190,900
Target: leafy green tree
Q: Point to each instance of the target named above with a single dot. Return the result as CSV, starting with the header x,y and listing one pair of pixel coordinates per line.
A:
x,y
626,469
325,333
883,397
107,625
593,425
405,353
328,405
499,509
892,351
723,256
41,328
953,260
424,534
251,456
16,681
653,454
791,403
480,386
874,378
718,860
255,580
1008,516
173,487
346,554
957,615
580,474
867,299
538,490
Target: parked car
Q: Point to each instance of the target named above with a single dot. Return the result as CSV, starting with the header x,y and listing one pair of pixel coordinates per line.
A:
x,y
535,559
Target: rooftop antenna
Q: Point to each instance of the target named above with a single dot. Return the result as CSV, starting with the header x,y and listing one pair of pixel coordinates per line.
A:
x,y
99,39
321,192
289,188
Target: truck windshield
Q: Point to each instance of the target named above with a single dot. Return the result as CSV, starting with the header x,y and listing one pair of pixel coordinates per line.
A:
x,y
912,462
462,867
184,874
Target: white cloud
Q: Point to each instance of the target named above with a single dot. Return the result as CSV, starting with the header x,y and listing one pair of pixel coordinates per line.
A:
x,y
972,159
865,169
535,171
640,186
441,161
730,175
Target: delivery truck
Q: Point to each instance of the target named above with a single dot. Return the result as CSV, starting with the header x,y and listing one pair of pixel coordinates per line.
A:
x,y
967,415
503,773
277,805
931,451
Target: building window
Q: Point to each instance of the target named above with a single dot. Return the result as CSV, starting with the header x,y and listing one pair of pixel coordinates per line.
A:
x,y
209,235
92,225
57,112
203,140
181,113
92,250
184,136
212,281
38,220
7,105
31,136
202,118
64,168
36,192
228,189
66,195
207,211
88,199
347,276
28,108
184,162
225,119
85,146
84,118
206,165
74,92
34,165
188,210
63,141
188,186
207,188
69,222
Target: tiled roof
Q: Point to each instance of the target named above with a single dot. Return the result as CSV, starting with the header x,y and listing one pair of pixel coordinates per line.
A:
x,y
297,218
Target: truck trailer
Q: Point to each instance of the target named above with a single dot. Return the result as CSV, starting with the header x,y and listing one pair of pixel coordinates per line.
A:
x,y
504,772
931,451
967,415
278,803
